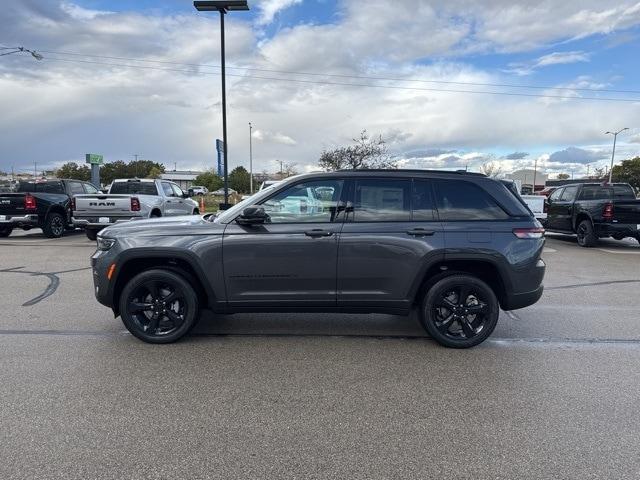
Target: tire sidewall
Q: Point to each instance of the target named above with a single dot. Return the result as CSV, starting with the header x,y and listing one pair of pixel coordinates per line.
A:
x,y
589,239
446,283
191,301
48,227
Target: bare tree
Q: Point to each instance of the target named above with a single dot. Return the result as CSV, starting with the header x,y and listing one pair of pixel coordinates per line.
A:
x,y
366,152
491,169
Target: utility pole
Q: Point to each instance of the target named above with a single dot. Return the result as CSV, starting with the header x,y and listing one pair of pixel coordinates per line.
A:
x,y
35,169
250,160
613,154
281,162
535,172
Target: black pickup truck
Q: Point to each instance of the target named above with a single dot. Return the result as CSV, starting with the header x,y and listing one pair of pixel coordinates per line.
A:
x,y
42,204
593,211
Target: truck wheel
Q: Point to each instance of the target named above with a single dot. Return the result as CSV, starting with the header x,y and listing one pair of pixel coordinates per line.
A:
x,y
91,233
158,306
54,226
5,231
460,311
586,235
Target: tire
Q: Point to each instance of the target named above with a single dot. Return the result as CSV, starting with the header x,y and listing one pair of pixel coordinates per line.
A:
x,y
447,318
5,231
195,212
146,315
155,215
54,225
91,234
586,235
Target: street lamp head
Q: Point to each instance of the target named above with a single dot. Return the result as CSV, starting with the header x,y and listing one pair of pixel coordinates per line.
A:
x,y
223,6
608,133
36,55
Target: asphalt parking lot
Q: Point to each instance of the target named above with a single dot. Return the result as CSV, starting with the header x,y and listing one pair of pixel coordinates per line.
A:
x,y
553,394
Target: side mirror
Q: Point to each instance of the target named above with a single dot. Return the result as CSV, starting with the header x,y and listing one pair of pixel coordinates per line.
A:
x,y
254,215
185,195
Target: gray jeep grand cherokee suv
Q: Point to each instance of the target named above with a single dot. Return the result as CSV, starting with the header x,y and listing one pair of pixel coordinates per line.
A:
x,y
458,246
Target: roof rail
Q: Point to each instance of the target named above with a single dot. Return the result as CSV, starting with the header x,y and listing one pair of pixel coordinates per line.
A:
x,y
410,170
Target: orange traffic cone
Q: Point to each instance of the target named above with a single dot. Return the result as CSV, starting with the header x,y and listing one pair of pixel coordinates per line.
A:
x,y
202,205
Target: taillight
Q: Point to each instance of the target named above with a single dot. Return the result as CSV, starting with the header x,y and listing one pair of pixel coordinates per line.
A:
x,y
73,203
135,204
534,232
30,202
607,211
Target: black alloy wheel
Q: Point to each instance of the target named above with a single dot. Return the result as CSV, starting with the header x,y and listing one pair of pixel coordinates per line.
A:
x,y
460,311
54,226
585,234
158,306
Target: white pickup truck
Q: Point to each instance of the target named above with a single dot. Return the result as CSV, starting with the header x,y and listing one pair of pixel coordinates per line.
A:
x,y
130,199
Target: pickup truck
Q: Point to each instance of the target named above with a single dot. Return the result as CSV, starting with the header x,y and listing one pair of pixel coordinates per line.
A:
x,y
130,199
593,211
44,204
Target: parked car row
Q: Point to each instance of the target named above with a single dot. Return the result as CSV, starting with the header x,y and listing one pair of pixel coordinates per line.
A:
x,y
61,204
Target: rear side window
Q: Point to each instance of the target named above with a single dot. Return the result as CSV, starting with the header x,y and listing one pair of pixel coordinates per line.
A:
x,y
595,192
460,200
422,201
132,188
382,200
623,191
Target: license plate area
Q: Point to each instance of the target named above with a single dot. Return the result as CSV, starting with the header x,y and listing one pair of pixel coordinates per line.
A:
x,y
104,220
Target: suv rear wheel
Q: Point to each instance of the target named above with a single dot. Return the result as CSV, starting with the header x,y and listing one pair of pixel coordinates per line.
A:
x,y
158,306
460,311
5,231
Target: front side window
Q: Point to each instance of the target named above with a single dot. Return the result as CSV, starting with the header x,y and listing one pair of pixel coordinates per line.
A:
x,y
76,188
177,190
569,194
556,194
168,191
307,202
382,200
460,200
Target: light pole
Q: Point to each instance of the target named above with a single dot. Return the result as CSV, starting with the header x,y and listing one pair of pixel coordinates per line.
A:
x,y
613,154
535,172
222,7
250,160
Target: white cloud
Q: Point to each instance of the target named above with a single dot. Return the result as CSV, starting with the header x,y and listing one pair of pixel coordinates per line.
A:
x,y
273,137
270,8
634,138
558,58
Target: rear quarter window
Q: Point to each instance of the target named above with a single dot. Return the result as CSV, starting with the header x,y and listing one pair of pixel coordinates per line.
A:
x,y
458,200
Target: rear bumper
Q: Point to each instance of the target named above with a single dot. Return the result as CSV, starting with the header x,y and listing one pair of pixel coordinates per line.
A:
x,y
610,229
13,221
531,280
95,223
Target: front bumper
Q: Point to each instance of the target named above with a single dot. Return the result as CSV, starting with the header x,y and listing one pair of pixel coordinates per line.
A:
x,y
101,222
29,220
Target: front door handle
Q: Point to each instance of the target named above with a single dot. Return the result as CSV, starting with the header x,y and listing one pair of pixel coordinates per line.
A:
x,y
317,232
420,232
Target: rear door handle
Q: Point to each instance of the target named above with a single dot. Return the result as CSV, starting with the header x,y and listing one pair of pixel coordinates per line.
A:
x,y
421,232
318,233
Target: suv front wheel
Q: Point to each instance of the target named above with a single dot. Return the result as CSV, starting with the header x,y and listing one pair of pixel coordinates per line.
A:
x,y
158,306
460,311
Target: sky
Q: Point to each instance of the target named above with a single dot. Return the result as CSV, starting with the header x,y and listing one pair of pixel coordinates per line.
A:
x,y
448,84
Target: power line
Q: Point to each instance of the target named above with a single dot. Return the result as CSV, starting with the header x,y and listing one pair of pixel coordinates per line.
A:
x,y
345,84
338,75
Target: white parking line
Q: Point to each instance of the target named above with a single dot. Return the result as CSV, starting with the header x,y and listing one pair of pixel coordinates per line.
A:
x,y
549,250
628,252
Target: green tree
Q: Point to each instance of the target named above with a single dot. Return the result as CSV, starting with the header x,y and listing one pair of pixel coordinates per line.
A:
x,y
628,172
239,180
112,170
563,176
155,172
75,171
143,168
366,152
210,180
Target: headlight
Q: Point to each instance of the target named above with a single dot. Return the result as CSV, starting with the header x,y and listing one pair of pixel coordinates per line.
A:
x,y
105,243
